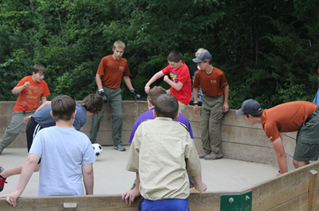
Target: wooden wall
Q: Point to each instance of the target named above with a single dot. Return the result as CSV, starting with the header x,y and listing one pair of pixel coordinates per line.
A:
x,y
294,191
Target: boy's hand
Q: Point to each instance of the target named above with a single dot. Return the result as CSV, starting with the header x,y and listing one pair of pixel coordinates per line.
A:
x,y
195,109
103,95
166,78
204,187
130,195
26,119
135,96
12,198
193,190
225,107
26,84
147,89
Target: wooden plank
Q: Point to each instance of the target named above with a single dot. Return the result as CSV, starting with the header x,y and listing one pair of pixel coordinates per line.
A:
x,y
245,135
250,153
283,188
296,204
316,207
312,187
52,203
198,202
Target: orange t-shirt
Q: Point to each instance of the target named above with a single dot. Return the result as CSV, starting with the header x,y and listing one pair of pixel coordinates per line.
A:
x,y
29,98
112,71
287,117
212,84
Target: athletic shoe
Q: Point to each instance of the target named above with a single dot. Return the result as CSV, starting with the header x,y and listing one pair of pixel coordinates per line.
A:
x,y
119,147
203,154
2,180
213,156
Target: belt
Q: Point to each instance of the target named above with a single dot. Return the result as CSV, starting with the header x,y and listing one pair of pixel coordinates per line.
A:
x,y
312,115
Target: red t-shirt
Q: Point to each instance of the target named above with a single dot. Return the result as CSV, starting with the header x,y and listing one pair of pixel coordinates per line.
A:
x,y
182,75
212,84
112,71
287,117
29,98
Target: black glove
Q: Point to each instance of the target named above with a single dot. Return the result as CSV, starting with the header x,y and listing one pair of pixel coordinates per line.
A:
x,y
134,94
103,95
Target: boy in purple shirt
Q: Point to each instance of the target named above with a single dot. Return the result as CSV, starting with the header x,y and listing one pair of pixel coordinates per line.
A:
x,y
152,95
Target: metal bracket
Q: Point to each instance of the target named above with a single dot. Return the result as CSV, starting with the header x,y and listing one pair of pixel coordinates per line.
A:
x,y
69,206
241,202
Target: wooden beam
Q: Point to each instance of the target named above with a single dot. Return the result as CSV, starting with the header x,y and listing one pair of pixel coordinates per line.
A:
x,y
312,187
283,189
198,202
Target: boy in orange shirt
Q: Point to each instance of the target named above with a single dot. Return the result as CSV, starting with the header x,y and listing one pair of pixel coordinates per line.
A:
x,y
215,103
301,116
31,90
108,78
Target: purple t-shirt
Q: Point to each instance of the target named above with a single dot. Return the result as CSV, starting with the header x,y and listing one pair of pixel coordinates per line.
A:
x,y
149,115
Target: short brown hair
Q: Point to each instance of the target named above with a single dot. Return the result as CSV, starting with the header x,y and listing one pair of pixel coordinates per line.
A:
x,y
175,56
93,103
154,93
63,107
119,44
38,68
166,106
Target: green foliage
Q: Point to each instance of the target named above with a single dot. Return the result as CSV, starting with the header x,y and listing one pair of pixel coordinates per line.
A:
x,y
267,49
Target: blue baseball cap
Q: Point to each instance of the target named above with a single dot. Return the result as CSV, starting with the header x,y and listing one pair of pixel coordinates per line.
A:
x,y
250,106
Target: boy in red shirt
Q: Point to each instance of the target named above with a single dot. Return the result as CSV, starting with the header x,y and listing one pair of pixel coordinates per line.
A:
x,y
31,90
180,80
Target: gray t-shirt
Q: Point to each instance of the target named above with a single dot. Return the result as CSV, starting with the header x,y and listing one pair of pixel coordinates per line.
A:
x,y
63,151
44,118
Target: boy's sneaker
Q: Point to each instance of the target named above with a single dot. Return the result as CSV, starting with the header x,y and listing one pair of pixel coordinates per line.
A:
x,y
203,154
2,180
213,156
119,147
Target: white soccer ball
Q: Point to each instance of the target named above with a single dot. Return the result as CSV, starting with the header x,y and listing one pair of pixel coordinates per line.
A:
x,y
97,149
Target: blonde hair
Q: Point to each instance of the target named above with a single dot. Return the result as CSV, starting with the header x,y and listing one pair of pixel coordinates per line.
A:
x,y
199,51
119,44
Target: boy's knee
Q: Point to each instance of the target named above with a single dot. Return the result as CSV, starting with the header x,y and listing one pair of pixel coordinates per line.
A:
x,y
298,164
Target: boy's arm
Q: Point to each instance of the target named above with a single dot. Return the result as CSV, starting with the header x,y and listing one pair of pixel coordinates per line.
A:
x,y
98,81
195,93
44,99
44,104
18,89
199,186
281,155
88,178
226,94
130,195
128,83
26,174
178,86
153,79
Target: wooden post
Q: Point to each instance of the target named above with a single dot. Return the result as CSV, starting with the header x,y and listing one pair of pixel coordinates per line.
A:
x,y
312,188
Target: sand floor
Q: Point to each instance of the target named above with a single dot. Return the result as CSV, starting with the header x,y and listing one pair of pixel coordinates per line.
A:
x,y
111,178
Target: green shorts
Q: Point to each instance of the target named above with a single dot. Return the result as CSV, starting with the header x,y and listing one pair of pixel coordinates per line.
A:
x,y
307,146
